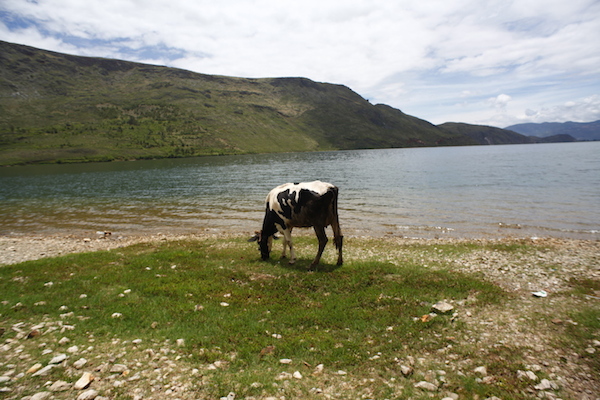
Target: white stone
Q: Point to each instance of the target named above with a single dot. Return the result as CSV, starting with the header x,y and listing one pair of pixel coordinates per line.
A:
x,y
84,381
442,307
40,396
285,361
297,375
58,359
64,341
118,368
481,370
60,386
426,386
73,349
88,395
80,363
527,375
545,384
44,371
406,370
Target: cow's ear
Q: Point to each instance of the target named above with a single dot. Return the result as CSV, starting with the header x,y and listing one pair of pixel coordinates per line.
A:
x,y
255,237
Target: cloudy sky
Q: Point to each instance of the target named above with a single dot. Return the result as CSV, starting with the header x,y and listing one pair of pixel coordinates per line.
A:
x,y
493,62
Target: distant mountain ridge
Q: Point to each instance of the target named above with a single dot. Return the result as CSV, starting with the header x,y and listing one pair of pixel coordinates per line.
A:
x,y
62,108
578,130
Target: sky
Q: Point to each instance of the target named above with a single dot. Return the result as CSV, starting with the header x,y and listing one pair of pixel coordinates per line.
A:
x,y
490,62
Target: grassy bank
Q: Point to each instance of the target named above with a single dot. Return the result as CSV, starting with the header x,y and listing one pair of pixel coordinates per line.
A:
x,y
203,318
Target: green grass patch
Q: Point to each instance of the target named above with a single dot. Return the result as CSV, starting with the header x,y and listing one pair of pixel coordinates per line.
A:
x,y
362,318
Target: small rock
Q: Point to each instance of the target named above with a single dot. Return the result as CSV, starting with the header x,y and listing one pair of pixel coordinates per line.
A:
x,y
80,363
84,381
180,342
73,349
40,396
60,386
283,376
230,396
64,341
35,368
406,370
318,369
116,315
44,371
545,384
526,375
297,375
88,395
285,361
4,379
442,307
481,371
118,368
426,386
58,359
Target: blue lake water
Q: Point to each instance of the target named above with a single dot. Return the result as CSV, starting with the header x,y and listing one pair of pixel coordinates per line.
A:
x,y
474,191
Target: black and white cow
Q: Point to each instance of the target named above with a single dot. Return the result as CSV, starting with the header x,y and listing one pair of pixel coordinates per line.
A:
x,y
301,205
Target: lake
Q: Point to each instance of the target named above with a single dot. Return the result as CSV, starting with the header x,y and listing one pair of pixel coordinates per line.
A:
x,y
472,192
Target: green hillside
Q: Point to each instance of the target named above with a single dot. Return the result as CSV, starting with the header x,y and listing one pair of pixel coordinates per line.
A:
x,y
62,108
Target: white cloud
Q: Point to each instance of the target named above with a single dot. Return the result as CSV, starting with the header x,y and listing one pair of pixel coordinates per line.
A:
x,y
438,60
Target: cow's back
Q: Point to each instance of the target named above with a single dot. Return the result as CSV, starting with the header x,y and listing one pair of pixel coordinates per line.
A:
x,y
302,204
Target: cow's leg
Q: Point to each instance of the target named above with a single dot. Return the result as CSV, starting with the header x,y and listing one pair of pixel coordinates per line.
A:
x,y
287,241
322,236
339,242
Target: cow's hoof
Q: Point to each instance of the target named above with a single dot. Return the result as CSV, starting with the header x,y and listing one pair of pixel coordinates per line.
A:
x,y
292,262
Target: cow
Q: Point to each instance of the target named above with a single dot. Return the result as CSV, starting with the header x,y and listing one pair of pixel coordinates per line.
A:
x,y
307,204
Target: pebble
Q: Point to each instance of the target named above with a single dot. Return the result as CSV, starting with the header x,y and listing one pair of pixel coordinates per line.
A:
x,y
35,368
545,384
481,370
88,395
442,307
84,381
58,359
44,371
40,396
526,375
80,363
426,386
60,386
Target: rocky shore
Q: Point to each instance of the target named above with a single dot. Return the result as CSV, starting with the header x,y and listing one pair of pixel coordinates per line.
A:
x,y
141,370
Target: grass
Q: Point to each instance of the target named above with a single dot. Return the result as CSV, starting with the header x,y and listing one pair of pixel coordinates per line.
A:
x,y
241,316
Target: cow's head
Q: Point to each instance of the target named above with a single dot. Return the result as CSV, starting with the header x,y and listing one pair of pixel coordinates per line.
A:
x,y
264,244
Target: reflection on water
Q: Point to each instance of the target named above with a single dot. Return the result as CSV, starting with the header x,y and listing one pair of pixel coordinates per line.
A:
x,y
521,190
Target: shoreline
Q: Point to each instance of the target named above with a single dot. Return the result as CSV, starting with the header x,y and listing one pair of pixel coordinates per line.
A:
x,y
26,247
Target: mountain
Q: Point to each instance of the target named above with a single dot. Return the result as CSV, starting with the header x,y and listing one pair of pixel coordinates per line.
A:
x,y
492,135
580,131
61,108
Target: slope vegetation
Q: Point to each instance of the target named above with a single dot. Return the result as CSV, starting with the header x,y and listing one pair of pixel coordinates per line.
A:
x,y
62,108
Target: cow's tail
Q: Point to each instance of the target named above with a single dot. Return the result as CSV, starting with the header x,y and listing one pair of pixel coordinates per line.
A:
x,y
335,221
